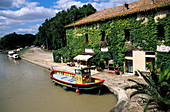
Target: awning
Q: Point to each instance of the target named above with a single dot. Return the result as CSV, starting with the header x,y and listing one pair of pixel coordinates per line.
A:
x,y
83,57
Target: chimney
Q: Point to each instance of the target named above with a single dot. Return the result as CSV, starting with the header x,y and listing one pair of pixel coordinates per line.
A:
x,y
126,5
152,2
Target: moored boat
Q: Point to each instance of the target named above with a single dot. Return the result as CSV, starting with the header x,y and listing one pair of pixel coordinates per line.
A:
x,y
12,54
79,81
16,56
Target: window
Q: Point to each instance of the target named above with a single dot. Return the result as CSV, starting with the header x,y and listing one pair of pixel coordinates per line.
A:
x,y
87,40
129,53
161,31
86,71
129,66
149,61
150,53
77,71
127,35
103,36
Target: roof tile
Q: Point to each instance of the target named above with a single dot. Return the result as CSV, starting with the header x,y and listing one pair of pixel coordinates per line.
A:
x,y
137,6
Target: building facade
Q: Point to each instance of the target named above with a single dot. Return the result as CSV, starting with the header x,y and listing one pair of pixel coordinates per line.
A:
x,y
128,34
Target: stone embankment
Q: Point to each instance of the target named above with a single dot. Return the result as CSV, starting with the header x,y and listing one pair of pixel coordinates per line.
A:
x,y
115,83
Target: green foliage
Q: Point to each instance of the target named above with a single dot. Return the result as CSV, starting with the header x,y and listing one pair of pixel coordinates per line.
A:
x,y
157,89
52,31
142,35
13,41
163,60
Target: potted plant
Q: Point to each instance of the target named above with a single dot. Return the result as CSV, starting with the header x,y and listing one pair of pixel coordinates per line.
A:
x,y
103,46
98,69
101,63
148,64
116,70
88,48
57,59
121,70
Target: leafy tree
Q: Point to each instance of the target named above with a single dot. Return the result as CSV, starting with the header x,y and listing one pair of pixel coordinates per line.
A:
x,y
13,40
87,10
157,89
52,31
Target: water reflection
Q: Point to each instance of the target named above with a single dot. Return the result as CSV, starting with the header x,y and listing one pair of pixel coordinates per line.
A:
x,y
16,61
27,88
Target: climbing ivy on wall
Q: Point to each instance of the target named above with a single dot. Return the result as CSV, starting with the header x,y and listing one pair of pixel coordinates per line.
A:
x,y
142,36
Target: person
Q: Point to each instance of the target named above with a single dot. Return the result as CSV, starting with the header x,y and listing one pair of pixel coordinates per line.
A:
x,y
116,70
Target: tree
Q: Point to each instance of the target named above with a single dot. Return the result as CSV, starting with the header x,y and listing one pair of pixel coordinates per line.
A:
x,y
13,40
86,10
52,32
157,89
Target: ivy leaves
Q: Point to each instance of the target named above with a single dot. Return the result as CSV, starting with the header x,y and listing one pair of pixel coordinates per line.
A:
x,y
143,36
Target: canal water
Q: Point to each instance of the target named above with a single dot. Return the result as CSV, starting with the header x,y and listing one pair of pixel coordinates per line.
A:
x,y
25,87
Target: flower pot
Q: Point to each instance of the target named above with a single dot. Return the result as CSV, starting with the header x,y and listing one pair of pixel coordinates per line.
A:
x,y
89,50
105,49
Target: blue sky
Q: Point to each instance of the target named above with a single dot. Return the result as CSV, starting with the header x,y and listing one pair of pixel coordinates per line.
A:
x,y
25,16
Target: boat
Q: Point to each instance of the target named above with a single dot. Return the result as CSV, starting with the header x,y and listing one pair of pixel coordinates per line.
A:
x,y
16,56
11,53
79,81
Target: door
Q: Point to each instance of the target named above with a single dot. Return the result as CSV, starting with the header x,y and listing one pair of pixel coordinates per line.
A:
x,y
129,66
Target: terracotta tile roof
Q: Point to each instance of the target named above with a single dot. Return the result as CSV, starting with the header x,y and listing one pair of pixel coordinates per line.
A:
x,y
137,6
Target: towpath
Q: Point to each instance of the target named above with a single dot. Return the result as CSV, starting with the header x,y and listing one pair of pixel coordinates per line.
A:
x,y
115,83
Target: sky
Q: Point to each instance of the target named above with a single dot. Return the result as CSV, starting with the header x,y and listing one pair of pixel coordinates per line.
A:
x,y
25,16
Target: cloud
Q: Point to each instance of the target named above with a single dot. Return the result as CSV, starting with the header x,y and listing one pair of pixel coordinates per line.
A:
x,y
18,13
25,13
4,30
98,4
12,3
7,29
111,3
30,29
19,3
11,22
65,4
29,13
100,0
6,4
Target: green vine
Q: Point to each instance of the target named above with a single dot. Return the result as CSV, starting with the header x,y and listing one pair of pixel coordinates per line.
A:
x,y
142,35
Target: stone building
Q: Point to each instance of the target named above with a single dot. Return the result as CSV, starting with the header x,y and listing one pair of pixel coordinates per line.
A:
x,y
131,33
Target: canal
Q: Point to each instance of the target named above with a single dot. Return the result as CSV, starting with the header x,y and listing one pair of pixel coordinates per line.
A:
x,y
25,87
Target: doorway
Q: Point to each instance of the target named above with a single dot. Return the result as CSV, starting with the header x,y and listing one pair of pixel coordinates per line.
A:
x,y
129,66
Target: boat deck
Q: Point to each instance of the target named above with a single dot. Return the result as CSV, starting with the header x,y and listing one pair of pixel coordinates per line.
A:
x,y
65,78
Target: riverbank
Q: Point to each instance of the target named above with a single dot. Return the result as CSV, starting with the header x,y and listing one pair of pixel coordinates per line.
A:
x,y
115,83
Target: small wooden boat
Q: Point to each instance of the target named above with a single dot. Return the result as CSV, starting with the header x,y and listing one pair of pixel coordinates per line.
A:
x,y
79,81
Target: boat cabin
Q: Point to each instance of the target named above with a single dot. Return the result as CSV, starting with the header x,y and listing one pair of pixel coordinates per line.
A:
x,y
83,75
